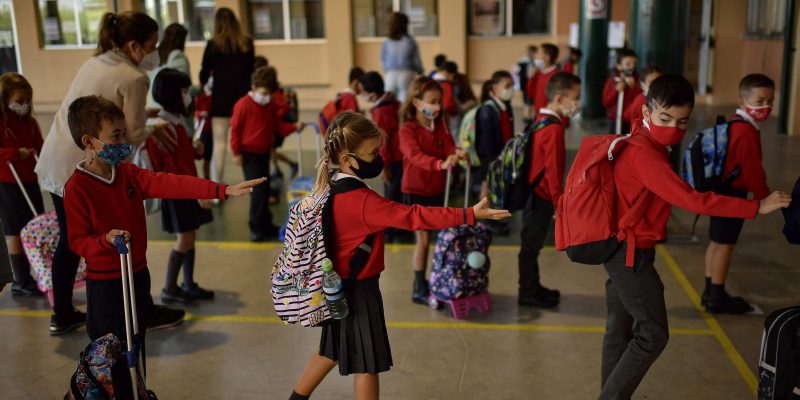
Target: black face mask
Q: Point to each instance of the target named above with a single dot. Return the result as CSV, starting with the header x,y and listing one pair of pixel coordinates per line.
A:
x,y
369,170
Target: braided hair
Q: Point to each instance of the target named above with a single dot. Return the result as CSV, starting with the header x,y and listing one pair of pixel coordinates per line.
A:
x,y
345,134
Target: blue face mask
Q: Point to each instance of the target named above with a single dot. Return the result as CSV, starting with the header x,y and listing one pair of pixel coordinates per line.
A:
x,y
114,154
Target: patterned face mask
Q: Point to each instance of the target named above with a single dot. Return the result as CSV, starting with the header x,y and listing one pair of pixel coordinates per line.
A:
x,y
113,154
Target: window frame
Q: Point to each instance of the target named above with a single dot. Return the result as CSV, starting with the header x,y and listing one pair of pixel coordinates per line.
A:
x,y
396,8
182,21
287,27
770,14
15,35
78,32
508,22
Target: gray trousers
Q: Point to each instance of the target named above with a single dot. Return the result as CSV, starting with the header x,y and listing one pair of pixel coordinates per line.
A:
x,y
636,329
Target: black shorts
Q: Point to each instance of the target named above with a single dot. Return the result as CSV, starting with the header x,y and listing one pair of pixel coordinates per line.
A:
x,y
726,230
178,216
15,212
426,201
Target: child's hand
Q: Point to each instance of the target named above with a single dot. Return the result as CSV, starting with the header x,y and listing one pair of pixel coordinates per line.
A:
x,y
238,160
621,86
482,211
450,161
243,188
773,202
24,153
461,154
205,203
199,147
112,234
299,126
152,112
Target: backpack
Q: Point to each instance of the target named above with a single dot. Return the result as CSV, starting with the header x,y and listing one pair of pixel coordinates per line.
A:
x,y
468,131
294,106
779,362
508,174
328,113
704,158
791,216
586,219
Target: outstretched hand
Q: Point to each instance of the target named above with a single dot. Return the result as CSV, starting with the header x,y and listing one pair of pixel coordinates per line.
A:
x,y
243,188
482,211
773,202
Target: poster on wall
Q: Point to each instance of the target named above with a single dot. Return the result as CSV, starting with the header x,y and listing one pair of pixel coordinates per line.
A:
x,y
487,17
596,9
616,34
574,31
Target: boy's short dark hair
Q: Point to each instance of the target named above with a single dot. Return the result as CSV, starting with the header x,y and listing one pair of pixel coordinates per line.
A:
x,y
355,73
576,52
625,52
266,77
561,83
167,87
752,81
670,90
85,116
439,60
450,67
650,69
372,82
260,61
551,51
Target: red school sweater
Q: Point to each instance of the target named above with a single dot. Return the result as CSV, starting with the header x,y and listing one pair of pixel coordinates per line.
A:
x,y
610,95
548,158
362,212
634,110
95,207
643,165
423,154
506,126
181,160
536,86
253,126
16,133
386,114
744,151
347,101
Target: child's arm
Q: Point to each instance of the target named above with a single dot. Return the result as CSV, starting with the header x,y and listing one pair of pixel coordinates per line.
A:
x,y
610,93
749,159
487,134
555,152
170,186
237,125
415,154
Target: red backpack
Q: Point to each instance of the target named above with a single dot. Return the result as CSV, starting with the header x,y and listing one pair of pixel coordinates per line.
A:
x,y
587,226
328,113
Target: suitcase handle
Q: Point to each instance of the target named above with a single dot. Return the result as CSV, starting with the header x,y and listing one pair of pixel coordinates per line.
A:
x,y
129,302
467,184
21,186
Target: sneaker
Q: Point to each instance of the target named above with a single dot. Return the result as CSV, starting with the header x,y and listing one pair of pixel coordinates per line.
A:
x,y
175,295
539,300
27,290
196,292
165,317
420,292
61,324
554,293
728,305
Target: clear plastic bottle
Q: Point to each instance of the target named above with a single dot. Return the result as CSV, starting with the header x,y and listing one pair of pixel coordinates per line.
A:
x,y
334,293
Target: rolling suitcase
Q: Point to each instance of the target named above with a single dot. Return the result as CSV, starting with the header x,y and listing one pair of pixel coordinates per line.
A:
x,y
779,363
301,186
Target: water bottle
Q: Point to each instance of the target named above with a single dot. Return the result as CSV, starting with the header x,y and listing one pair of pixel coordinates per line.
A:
x,y
334,294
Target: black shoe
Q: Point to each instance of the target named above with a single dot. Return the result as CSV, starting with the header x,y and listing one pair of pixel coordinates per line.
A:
x,y
27,290
728,305
61,324
420,292
539,299
196,292
176,295
554,293
165,317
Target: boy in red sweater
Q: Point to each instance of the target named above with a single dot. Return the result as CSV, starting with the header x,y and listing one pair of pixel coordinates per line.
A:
x,y
636,328
743,166
634,110
255,124
546,175
104,199
625,81
537,85
346,99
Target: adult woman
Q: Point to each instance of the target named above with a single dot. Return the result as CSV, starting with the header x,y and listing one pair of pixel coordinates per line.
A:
x,y
171,53
229,58
400,57
126,47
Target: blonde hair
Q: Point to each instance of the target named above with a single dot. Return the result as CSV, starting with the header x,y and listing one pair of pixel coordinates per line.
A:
x,y
345,134
10,82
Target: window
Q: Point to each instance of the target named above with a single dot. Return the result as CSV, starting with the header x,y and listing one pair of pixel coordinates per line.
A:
x,y
286,19
371,17
766,19
71,22
509,17
8,38
196,15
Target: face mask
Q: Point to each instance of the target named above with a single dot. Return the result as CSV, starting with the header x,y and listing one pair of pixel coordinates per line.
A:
x,y
759,113
429,111
113,154
369,170
627,71
260,98
644,88
507,94
150,61
538,63
571,111
21,109
187,100
665,135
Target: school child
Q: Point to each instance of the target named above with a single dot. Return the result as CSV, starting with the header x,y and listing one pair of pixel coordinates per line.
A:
x,y
445,77
636,328
428,151
254,125
756,93
537,85
438,64
20,139
570,65
347,98
104,200
524,70
180,217
625,81
634,110
202,109
359,344
284,108
546,175
494,127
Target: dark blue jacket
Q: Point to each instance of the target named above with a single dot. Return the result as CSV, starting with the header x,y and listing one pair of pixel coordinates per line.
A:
x,y
488,133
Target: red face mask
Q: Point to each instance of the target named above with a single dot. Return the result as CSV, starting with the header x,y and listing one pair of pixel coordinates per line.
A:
x,y
666,135
759,113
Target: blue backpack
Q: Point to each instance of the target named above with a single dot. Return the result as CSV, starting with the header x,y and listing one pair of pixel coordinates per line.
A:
x,y
704,158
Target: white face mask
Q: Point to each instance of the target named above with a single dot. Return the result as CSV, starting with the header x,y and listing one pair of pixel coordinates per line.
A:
x,y
150,61
260,98
572,111
187,100
538,63
21,109
506,94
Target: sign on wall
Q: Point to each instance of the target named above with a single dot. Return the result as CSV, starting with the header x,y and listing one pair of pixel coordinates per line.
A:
x,y
596,9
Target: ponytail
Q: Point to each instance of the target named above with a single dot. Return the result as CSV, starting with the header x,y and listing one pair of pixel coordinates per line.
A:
x,y
116,30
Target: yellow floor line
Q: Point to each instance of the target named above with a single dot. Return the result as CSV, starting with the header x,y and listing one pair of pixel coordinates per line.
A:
x,y
712,322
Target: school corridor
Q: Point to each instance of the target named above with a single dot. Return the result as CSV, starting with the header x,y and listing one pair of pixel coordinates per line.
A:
x,y
234,347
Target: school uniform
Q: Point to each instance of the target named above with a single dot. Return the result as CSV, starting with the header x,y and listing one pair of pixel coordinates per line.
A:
x,y
449,104
385,114
424,150
15,133
537,86
360,342
178,216
494,127
253,131
744,156
636,328
546,175
347,101
634,110
569,67
610,96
